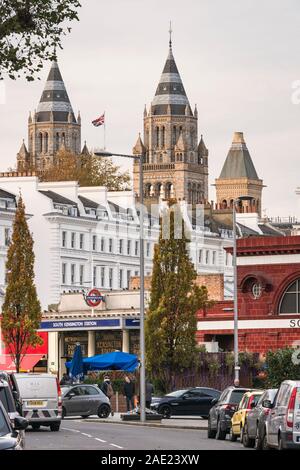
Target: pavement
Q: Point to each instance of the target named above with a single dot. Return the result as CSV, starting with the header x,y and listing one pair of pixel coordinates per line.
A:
x,y
98,435
178,422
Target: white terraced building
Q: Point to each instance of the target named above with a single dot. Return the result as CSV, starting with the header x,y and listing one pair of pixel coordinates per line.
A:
x,y
89,237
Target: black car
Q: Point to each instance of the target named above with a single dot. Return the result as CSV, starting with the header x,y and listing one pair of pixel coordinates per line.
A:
x,y
192,401
219,420
255,425
11,439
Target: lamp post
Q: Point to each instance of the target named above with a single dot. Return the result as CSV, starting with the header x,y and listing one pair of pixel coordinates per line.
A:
x,y
142,282
235,293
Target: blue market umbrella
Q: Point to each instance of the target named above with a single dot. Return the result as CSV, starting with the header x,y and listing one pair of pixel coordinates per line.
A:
x,y
76,365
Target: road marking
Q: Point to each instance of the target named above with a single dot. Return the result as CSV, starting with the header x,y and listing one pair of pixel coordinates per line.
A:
x,y
100,440
71,430
87,435
114,445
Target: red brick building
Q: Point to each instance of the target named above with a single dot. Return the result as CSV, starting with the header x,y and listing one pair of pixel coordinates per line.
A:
x,y
268,298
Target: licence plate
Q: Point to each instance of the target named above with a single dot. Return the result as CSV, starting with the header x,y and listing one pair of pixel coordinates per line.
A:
x,y
36,403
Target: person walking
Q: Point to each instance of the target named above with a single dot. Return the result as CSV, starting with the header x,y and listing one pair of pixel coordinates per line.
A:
x,y
65,380
107,388
128,392
149,393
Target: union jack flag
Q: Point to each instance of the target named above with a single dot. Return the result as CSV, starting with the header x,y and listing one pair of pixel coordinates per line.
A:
x,y
99,121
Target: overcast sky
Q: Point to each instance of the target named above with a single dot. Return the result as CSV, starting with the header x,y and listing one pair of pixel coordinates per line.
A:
x,y
238,61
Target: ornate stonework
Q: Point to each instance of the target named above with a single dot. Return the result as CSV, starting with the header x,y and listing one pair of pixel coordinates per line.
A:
x,y
52,126
175,165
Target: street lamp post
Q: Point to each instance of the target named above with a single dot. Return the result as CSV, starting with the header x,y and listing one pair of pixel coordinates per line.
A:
x,y
235,293
142,281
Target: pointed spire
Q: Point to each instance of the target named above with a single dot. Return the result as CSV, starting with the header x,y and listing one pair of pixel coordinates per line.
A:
x,y
85,150
195,111
145,111
202,150
55,98
170,35
23,152
139,148
170,90
29,118
238,163
180,145
79,118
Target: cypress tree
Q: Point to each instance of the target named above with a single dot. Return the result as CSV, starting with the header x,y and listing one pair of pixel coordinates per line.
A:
x,y
171,321
21,311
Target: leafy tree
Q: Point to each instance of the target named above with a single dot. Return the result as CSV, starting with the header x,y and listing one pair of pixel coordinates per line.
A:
x,y
171,321
30,31
21,311
88,170
281,365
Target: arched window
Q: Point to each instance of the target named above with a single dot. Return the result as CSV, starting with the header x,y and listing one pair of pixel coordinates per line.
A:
x,y
57,142
163,132
174,137
46,142
290,301
40,142
157,136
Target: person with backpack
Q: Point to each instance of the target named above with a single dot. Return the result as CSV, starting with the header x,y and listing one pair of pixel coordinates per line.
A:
x,y
107,388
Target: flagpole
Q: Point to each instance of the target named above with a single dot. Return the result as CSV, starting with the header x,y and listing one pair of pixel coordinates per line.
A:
x,y
104,133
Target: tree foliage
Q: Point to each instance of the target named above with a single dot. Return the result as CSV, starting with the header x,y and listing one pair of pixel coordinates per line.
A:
x,y
88,170
282,364
30,31
21,311
171,321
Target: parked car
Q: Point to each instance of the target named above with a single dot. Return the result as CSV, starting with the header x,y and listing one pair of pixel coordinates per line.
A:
x,y
238,420
84,400
219,419
10,438
283,423
7,400
254,433
193,401
41,399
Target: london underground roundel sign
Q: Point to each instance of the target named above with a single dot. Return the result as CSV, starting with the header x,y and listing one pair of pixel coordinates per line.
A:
x,y
94,298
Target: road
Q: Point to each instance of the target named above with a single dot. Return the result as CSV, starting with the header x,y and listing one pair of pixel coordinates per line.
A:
x,y
78,434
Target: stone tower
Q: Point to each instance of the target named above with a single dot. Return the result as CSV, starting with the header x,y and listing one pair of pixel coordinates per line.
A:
x,y
239,178
175,164
52,126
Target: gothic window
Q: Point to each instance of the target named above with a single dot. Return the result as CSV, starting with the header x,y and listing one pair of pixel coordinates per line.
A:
x,y
161,158
46,142
31,143
57,141
157,136
63,138
148,190
75,143
189,193
163,137
224,204
169,191
40,142
174,139
290,301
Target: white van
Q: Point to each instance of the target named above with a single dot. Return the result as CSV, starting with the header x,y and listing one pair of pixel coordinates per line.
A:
x,y
41,399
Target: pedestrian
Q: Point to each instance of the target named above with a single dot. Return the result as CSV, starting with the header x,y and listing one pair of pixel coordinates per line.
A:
x,y
149,393
107,388
129,391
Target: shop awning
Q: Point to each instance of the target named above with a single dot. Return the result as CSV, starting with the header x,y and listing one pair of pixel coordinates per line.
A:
x,y
27,363
110,361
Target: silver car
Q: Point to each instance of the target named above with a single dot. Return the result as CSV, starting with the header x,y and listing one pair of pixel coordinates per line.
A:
x,y
84,400
283,422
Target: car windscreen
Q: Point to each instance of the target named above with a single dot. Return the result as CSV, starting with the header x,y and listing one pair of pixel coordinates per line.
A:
x,y
7,400
4,428
236,396
37,387
176,394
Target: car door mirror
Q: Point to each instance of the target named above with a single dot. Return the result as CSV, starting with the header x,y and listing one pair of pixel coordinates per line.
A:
x,y
71,395
267,404
20,423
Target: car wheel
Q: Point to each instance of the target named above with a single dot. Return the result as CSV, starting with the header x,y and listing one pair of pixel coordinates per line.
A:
x,y
211,434
63,413
221,435
232,437
165,411
85,416
35,426
104,411
204,417
55,427
247,442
